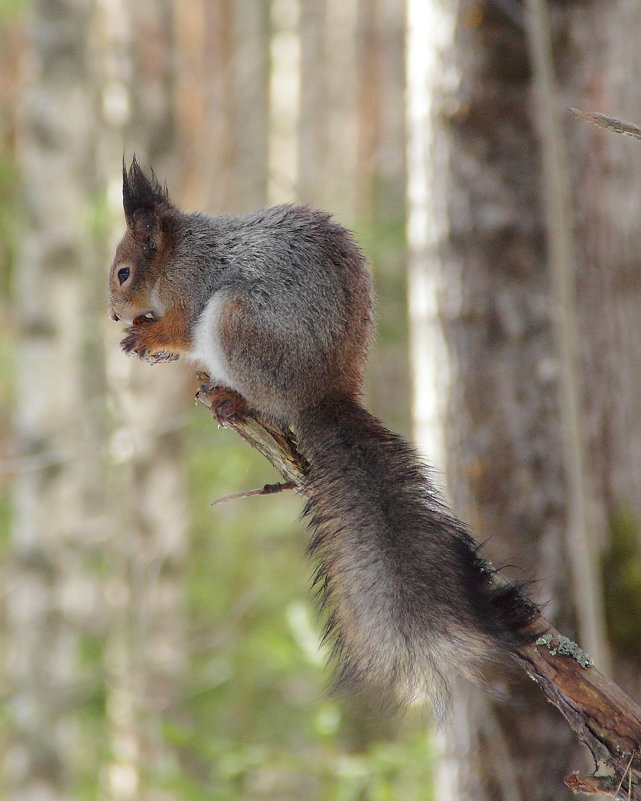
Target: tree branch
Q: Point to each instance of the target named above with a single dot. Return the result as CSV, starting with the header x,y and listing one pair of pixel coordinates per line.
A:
x,y
604,718
610,123
268,489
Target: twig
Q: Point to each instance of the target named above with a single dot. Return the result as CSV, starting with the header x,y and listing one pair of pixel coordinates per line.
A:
x,y
268,489
610,123
628,772
604,718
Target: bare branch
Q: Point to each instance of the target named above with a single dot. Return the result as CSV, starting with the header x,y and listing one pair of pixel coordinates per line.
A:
x,y
610,123
605,719
268,489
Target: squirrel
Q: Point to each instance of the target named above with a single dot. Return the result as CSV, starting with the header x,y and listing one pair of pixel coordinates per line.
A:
x,y
277,306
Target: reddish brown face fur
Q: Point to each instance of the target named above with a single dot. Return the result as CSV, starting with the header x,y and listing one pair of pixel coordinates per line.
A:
x,y
135,291
128,291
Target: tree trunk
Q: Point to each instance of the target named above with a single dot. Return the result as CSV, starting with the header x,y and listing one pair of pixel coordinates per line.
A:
x,y
284,102
480,287
146,652
599,74
379,199
484,349
57,503
250,90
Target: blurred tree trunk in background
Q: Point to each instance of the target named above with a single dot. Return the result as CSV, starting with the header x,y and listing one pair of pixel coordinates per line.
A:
x,y
250,113
480,285
221,64
146,653
58,502
285,80
312,149
505,460
380,178
329,33
600,72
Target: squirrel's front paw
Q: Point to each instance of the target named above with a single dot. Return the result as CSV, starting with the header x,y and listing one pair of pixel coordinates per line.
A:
x,y
134,343
141,342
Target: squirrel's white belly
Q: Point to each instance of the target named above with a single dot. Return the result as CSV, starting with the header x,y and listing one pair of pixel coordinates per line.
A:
x,y
207,347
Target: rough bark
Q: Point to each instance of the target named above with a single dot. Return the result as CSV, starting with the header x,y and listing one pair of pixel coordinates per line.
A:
x,y
603,717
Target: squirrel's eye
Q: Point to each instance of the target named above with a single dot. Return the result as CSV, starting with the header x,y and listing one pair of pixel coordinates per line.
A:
x,y
123,274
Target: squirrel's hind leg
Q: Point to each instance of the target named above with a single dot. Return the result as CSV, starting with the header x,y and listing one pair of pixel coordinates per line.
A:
x,y
226,404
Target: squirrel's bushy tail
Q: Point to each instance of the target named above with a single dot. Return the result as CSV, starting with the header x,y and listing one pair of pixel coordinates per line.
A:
x,y
408,599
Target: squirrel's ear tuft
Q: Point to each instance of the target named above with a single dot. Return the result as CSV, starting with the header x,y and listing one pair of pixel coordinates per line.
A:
x,y
140,192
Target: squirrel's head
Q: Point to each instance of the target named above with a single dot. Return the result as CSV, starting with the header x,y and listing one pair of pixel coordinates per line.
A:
x,y
145,247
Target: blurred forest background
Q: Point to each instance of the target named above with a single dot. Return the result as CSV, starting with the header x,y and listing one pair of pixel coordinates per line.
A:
x,y
156,648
